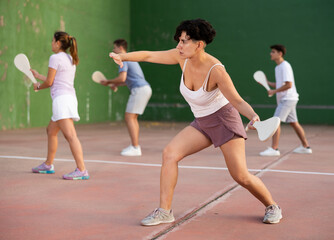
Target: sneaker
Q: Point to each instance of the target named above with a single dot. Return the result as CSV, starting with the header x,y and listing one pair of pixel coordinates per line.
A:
x,y
77,175
158,216
131,151
303,150
270,152
273,214
43,168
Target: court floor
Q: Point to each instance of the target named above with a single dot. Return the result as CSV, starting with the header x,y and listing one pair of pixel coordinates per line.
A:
x,y
207,203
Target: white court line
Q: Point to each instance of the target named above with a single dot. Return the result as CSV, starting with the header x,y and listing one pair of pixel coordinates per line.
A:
x,y
159,165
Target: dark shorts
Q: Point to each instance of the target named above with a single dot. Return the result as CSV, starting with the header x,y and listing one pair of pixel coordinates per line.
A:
x,y
221,126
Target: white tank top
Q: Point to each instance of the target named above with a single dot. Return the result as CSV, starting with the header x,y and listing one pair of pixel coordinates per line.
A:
x,y
202,102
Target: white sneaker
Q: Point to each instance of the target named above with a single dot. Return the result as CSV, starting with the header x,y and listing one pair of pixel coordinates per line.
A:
x,y
131,151
270,152
303,150
273,214
158,216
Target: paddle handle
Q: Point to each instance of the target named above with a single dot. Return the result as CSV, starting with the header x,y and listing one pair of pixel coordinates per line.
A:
x,y
254,125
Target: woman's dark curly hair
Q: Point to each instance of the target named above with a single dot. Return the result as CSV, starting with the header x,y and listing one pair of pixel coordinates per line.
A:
x,y
197,29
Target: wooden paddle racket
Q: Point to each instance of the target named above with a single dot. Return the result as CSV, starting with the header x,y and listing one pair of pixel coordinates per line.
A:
x,y
22,63
260,77
98,77
267,128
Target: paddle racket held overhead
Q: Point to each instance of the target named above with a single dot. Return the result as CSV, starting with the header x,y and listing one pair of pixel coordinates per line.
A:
x,y
22,63
267,128
260,77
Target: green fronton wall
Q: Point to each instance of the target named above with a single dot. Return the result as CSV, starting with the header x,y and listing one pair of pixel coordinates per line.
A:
x,y
27,26
245,30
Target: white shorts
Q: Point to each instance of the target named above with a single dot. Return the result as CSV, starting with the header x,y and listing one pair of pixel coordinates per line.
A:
x,y
286,111
64,107
138,99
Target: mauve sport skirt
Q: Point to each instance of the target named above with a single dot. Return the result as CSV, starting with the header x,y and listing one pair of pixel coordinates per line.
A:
x,y
221,126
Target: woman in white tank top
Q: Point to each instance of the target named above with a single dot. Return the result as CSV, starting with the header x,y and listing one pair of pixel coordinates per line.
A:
x,y
209,90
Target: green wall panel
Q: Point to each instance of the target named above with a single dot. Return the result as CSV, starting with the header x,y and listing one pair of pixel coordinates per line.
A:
x,y
28,27
245,30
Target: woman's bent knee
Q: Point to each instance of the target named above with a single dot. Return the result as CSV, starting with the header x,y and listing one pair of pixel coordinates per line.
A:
x,y
70,137
243,179
169,156
50,131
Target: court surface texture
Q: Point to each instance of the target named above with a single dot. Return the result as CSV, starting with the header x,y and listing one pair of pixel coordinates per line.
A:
x,y
121,191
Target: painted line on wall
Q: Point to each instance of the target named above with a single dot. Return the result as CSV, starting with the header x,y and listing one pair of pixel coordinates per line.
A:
x,y
180,166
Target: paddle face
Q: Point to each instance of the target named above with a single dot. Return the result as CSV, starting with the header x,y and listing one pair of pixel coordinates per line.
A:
x,y
266,129
22,63
97,77
260,77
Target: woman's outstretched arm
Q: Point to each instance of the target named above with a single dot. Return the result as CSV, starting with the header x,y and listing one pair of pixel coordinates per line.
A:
x,y
162,57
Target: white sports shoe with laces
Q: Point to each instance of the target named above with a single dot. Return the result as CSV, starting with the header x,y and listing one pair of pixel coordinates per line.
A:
x,y
131,151
273,214
158,216
270,152
303,150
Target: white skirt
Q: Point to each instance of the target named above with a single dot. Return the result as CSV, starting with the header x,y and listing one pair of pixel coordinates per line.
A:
x,y
64,107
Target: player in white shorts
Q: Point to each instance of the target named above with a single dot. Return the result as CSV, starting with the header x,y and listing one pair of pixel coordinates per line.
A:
x,y
287,99
60,79
132,76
